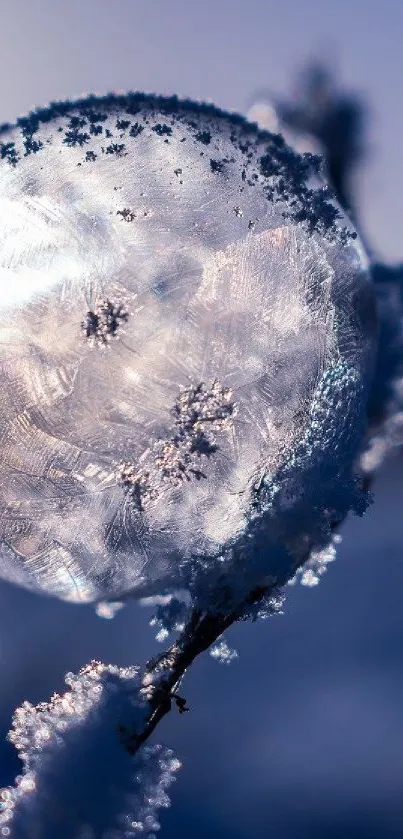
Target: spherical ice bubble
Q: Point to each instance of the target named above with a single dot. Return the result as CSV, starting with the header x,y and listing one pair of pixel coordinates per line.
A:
x,y
184,312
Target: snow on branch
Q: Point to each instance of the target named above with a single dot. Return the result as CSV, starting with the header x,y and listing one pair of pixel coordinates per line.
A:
x,y
78,781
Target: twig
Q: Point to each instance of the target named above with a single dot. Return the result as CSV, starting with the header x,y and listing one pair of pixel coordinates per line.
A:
x,y
164,673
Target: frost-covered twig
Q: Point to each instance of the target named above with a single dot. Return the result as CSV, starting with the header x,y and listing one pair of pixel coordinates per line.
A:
x,y
164,673
88,772
88,769
78,781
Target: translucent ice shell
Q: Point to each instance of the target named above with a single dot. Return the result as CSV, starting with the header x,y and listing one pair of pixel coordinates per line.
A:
x,y
184,311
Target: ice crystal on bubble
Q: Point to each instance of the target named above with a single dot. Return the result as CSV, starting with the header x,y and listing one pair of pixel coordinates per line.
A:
x,y
102,324
78,779
198,412
235,395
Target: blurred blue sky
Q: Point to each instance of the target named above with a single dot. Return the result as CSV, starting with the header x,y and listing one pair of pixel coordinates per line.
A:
x,y
302,738
221,50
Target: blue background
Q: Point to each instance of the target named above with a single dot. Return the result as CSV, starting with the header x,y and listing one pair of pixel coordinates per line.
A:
x,y
302,737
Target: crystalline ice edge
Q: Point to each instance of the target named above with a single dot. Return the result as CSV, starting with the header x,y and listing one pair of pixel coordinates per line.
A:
x,y
176,286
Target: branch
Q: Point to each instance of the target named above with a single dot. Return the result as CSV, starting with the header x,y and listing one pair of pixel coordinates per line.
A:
x,y
164,673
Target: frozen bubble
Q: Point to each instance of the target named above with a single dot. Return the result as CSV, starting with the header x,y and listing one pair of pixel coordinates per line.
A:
x,y
161,354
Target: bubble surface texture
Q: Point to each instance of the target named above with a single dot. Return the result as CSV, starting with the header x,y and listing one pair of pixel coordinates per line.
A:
x,y
178,289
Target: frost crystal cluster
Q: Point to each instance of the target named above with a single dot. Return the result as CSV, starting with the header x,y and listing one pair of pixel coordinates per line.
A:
x,y
78,781
186,330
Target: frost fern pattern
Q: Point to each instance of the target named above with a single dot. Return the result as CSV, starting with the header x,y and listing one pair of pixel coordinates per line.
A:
x,y
198,414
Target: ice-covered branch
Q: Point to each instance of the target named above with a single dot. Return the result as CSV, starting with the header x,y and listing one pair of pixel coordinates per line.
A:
x,y
79,782
89,772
